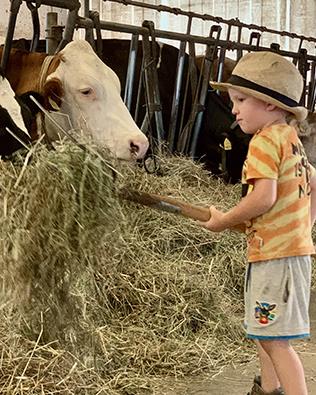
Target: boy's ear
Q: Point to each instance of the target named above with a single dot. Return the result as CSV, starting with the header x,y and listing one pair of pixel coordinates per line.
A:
x,y
270,107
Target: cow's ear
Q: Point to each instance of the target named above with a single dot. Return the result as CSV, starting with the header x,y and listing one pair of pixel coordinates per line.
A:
x,y
53,92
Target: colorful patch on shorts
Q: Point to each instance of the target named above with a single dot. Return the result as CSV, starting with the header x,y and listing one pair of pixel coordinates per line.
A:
x,y
263,312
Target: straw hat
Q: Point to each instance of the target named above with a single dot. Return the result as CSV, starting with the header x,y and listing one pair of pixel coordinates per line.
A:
x,y
268,77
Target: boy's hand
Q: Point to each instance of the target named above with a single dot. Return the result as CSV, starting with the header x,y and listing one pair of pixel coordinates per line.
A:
x,y
215,223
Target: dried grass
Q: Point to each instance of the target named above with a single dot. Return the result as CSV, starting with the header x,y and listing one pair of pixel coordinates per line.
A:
x,y
100,296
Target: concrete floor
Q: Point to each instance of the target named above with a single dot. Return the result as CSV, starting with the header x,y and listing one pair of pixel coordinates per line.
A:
x,y
237,380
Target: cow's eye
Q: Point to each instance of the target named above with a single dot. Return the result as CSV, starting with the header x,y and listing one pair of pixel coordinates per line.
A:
x,y
86,91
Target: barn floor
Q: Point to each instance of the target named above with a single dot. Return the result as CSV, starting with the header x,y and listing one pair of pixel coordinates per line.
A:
x,y
237,380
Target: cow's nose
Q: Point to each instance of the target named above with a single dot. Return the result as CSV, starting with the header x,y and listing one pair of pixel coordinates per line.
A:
x,y
139,148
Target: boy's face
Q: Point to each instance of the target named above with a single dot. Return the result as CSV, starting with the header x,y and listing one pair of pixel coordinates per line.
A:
x,y
251,114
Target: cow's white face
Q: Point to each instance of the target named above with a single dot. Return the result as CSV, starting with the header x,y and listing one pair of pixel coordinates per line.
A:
x,y
7,101
91,97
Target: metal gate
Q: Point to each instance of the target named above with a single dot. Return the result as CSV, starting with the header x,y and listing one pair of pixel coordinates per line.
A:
x,y
179,135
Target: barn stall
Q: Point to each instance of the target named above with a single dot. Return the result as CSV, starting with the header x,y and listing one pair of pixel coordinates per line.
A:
x,y
187,115
101,297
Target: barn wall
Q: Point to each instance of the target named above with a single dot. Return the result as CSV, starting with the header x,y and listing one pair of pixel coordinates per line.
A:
x,y
24,26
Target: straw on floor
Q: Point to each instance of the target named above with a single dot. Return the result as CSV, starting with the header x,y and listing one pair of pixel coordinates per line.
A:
x,y
102,296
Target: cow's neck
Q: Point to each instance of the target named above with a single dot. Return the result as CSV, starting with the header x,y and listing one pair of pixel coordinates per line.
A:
x,y
23,70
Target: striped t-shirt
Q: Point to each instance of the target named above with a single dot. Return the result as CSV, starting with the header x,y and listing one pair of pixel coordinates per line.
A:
x,y
277,153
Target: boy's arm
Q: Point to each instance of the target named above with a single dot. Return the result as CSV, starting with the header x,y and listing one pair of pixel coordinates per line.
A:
x,y
257,202
313,199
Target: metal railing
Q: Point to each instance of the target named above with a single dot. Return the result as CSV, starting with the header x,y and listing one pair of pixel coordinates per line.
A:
x,y
216,43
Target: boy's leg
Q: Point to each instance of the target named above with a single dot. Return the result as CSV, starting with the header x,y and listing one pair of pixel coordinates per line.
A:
x,y
287,365
269,378
276,309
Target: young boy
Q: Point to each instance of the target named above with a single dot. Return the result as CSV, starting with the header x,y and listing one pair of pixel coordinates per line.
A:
x,y
278,210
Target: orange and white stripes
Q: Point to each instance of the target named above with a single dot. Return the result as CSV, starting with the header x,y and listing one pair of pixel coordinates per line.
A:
x,y
276,153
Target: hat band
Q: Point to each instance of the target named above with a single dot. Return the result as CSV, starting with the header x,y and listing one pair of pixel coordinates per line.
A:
x,y
242,82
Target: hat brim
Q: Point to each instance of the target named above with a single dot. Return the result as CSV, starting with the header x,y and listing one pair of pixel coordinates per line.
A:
x,y
300,113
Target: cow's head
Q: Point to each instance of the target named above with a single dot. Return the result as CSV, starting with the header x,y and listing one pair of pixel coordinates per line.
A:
x,y
89,92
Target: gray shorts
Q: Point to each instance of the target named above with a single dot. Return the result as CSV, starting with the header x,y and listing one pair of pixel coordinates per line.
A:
x,y
277,296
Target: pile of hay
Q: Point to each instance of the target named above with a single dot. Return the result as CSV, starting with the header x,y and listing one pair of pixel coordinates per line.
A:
x,y
102,296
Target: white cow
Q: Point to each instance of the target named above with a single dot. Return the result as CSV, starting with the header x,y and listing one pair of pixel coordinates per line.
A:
x,y
86,90
17,118
10,104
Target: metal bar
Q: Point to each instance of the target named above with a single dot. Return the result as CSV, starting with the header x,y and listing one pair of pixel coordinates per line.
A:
x,y
303,68
231,45
94,15
209,58
312,88
14,9
254,36
298,50
221,60
152,105
177,90
190,139
207,17
69,4
239,50
139,89
130,74
191,78
195,79
275,47
36,26
89,31
51,39
155,86
86,8
69,29
148,77
176,97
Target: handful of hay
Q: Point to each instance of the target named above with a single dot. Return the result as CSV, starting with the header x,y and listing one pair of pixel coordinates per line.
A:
x,y
99,295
